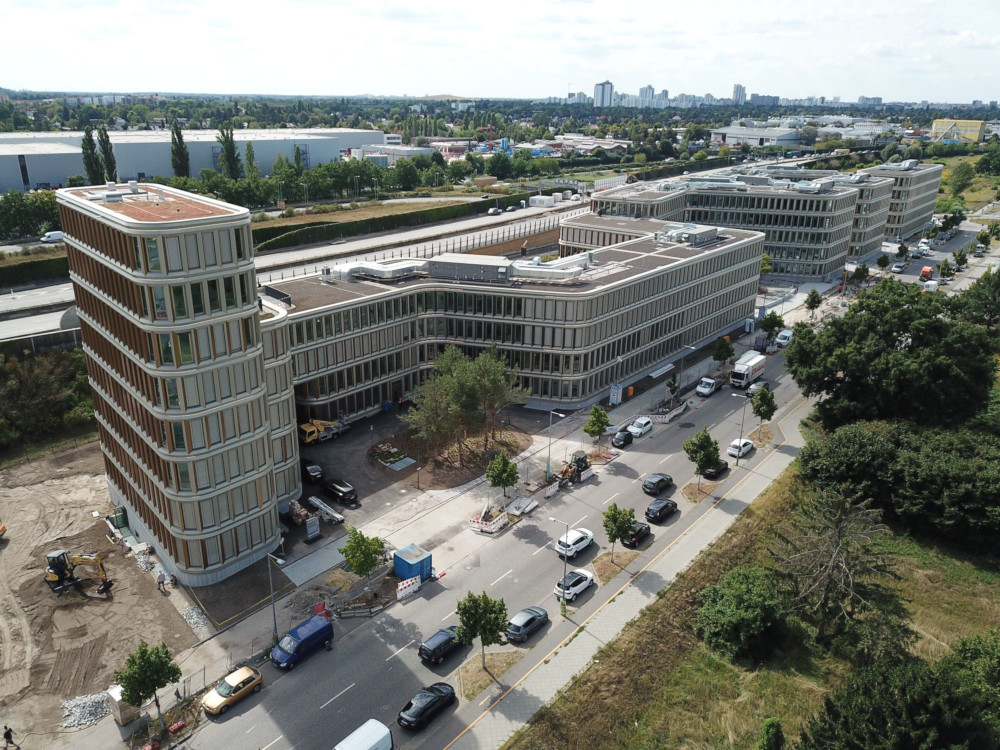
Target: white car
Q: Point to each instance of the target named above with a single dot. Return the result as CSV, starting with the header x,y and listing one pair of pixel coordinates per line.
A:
x,y
640,426
573,584
707,386
739,448
898,267
494,212
573,543
784,337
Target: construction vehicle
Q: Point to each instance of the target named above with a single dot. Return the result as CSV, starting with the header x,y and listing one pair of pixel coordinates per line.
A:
x,y
61,571
573,471
318,430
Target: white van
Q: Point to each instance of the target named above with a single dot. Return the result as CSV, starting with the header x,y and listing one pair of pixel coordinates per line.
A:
x,y
784,337
372,735
930,286
52,237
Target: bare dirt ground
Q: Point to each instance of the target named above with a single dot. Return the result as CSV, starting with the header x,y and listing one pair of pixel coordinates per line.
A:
x,y
54,647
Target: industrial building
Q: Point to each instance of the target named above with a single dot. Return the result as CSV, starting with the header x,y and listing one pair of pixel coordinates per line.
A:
x,y
737,136
30,161
190,373
958,131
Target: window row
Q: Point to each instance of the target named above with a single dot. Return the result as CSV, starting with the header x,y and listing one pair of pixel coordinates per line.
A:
x,y
190,252
224,467
212,296
222,508
230,544
213,429
179,348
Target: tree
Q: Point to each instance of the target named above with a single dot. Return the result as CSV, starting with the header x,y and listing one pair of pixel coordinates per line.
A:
x,y
618,524
499,165
91,159
857,461
980,303
961,257
494,386
723,349
253,171
861,272
229,158
883,262
483,618
771,324
502,472
75,180
702,451
771,736
739,614
146,671
765,265
887,357
983,238
945,270
763,405
107,154
901,251
362,553
961,177
180,159
598,423
813,300
407,174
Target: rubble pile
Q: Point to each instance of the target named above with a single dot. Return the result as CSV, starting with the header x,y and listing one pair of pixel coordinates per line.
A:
x,y
84,710
195,617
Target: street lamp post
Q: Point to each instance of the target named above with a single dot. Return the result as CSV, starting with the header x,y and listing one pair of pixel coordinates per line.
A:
x,y
270,585
563,600
305,186
548,461
680,375
746,400
418,477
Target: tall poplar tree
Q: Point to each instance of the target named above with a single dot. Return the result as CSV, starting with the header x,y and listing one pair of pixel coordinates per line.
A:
x,y
107,154
180,160
91,159
229,159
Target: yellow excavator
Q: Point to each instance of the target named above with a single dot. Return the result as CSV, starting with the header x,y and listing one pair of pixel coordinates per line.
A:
x,y
61,567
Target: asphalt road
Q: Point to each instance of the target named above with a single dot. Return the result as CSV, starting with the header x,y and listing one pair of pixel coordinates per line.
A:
x,y
374,668
964,239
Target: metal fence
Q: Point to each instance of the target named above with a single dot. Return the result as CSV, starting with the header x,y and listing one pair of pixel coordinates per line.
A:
x,y
37,343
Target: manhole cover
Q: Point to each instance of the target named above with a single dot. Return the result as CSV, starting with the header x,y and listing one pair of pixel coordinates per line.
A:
x,y
686,424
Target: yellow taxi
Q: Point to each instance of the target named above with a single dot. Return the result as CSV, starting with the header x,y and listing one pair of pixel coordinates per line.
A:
x,y
234,688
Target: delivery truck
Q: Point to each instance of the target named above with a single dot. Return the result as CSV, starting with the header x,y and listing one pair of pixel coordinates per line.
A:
x,y
747,369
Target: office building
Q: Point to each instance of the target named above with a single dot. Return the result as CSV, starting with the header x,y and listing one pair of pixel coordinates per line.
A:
x,y
737,136
604,94
914,193
739,94
958,131
198,449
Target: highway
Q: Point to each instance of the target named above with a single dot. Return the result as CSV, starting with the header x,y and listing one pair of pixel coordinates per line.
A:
x,y
374,667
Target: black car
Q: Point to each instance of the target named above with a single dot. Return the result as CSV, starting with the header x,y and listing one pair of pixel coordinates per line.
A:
x,y
639,532
311,471
436,648
716,471
621,439
341,492
524,623
425,705
660,509
656,483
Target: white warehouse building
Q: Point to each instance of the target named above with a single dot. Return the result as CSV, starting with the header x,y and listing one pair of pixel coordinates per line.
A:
x,y
30,161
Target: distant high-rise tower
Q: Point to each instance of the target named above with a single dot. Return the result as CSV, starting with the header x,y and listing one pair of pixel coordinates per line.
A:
x,y
603,94
739,94
646,96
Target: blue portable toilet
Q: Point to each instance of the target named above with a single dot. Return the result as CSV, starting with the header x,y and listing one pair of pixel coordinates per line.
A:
x,y
412,561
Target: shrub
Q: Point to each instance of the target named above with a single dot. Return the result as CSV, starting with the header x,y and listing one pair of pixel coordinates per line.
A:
x,y
740,612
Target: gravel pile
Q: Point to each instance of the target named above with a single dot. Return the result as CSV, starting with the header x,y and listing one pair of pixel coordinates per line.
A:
x,y
143,561
195,617
84,710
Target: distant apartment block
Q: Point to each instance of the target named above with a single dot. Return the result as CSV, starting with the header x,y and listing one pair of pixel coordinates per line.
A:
x,y
958,131
739,94
604,94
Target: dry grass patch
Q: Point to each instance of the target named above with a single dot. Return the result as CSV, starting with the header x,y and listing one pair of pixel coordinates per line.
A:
x,y
363,211
696,494
762,435
35,252
473,679
606,569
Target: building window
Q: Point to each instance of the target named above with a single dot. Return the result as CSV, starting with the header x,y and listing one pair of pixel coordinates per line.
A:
x,y
197,301
152,254
213,296
159,302
166,349
172,400
185,349
180,305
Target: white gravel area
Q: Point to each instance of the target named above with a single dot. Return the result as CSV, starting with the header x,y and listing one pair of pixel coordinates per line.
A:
x,y
195,617
84,710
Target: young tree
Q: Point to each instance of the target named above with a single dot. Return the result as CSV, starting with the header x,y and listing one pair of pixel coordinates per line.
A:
x,y
253,171
980,303
739,613
146,671
702,451
180,159
861,272
961,258
771,324
406,174
91,159
771,736
362,553
483,618
502,472
883,262
229,159
901,251
495,386
961,177
723,350
598,423
499,165
765,265
945,271
813,300
75,180
107,154
618,525
763,405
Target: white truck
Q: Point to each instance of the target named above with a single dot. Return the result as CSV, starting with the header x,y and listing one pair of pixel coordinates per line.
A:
x,y
747,369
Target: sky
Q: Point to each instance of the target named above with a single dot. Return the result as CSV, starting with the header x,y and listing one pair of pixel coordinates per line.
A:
x,y
920,49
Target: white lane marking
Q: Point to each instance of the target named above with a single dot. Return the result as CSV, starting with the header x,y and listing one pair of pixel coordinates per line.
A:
x,y
338,695
502,577
454,611
271,743
638,478
611,498
580,521
544,546
402,649
663,459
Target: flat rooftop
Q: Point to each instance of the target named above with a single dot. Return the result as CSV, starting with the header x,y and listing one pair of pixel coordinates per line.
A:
x,y
612,223
144,203
611,266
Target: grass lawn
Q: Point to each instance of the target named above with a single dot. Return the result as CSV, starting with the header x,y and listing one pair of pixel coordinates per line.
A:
x,y
38,252
473,679
983,189
606,569
658,686
363,211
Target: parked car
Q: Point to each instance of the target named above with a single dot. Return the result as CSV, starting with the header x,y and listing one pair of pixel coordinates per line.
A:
x,y
898,267
511,209
311,471
639,532
494,212
301,641
524,623
784,337
740,448
573,584
574,542
437,648
621,439
716,471
372,735
656,483
340,491
234,687
486,197
707,386
660,509
760,385
425,705
51,237
640,426
977,253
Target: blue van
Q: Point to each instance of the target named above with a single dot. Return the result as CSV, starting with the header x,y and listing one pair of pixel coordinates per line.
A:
x,y
301,641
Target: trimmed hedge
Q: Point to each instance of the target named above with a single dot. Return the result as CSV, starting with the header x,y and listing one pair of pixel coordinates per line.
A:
x,y
324,232
37,269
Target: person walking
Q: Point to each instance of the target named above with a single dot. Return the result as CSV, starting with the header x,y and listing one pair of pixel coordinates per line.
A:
x,y
161,581
8,738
